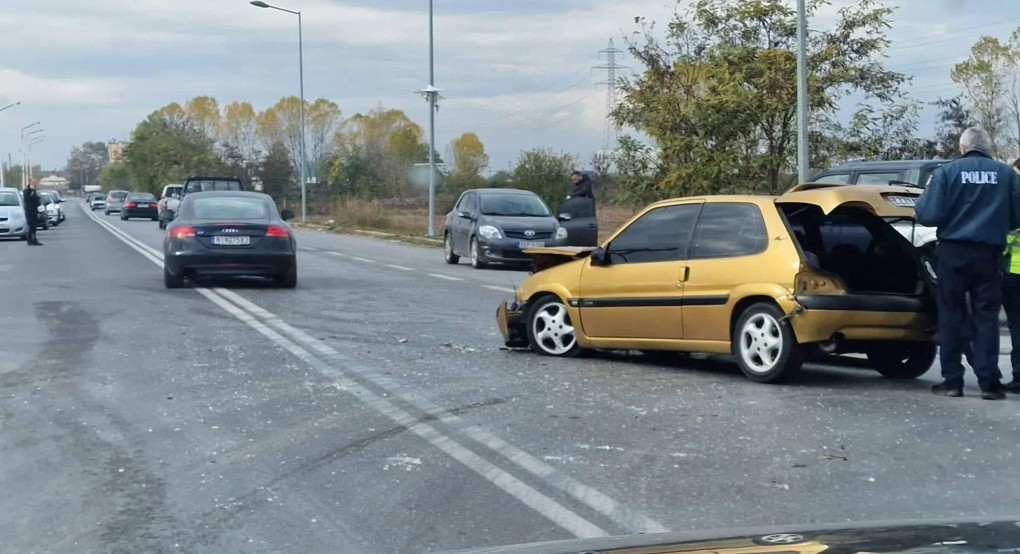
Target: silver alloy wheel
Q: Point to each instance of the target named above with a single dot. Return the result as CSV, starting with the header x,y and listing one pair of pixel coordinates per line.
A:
x,y
552,329
474,252
761,343
782,538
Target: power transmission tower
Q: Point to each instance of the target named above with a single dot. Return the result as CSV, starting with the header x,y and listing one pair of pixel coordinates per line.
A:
x,y
612,82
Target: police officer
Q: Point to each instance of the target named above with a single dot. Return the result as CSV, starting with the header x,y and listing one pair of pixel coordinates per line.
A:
x,y
31,213
974,203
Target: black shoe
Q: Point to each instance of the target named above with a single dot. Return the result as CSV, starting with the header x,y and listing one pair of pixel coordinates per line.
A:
x,y
946,389
35,243
1013,387
994,394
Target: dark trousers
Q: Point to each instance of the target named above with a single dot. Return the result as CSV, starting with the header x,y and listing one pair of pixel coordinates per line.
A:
x,y
969,269
1011,303
32,225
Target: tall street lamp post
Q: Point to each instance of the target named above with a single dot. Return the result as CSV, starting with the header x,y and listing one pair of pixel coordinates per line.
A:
x,y
301,72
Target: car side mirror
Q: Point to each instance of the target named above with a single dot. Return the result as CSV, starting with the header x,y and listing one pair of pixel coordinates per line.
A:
x,y
464,215
175,196
598,257
286,215
565,217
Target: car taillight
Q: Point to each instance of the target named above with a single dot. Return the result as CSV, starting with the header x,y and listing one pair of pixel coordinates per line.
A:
x,y
277,231
130,205
810,282
181,232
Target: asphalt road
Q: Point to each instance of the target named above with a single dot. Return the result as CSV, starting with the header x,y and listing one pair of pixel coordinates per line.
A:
x,y
372,409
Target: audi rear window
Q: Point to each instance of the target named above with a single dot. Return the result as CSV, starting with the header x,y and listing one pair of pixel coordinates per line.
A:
x,y
230,208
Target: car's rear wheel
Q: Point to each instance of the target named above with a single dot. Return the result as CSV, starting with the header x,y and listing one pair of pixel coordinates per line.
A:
x,y
451,258
287,280
123,217
46,224
765,346
476,256
903,360
162,224
172,281
550,331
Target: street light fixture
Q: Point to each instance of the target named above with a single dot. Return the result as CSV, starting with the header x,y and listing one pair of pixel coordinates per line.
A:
x,y
10,106
301,73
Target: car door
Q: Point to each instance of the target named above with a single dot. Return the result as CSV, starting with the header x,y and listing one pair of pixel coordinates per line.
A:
x,y
577,215
728,251
635,291
467,212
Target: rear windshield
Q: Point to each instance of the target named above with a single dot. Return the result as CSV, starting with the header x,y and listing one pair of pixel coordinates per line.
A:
x,y
141,196
213,185
118,195
230,208
513,204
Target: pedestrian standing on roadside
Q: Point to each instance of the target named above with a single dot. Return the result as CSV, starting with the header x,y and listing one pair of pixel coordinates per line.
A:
x,y
32,203
973,202
582,186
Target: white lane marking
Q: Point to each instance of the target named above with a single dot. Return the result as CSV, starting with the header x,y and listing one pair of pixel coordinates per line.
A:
x,y
554,511
621,514
400,267
500,289
366,260
447,277
337,254
308,248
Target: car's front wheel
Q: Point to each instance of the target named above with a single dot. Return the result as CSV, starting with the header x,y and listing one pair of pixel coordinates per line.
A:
x,y
451,258
172,281
765,346
903,360
550,330
476,255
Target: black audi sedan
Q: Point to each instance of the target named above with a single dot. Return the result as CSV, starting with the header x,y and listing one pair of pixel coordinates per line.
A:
x,y
229,234
139,204
496,225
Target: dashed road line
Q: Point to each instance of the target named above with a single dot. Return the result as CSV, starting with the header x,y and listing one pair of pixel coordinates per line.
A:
x,y
400,267
500,289
366,260
446,277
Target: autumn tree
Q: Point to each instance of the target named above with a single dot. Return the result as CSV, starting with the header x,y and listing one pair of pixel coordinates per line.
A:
x,y
990,78
167,147
717,96
376,152
86,162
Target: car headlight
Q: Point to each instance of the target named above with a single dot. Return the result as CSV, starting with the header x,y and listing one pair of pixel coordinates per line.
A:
x,y
561,232
489,232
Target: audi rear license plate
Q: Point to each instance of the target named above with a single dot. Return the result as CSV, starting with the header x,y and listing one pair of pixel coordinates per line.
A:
x,y
530,244
231,241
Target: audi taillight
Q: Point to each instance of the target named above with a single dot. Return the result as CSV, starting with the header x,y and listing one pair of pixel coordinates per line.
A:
x,y
130,205
277,231
184,231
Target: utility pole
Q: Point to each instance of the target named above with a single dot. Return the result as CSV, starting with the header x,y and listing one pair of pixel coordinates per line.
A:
x,y
431,94
612,82
803,154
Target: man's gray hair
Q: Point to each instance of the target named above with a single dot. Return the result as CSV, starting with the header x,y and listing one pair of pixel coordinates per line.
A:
x,y
976,138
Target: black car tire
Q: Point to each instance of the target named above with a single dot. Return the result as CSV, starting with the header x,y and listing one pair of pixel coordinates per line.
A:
x,y
123,217
476,256
46,224
903,360
765,346
172,281
155,218
448,254
106,212
287,280
162,224
548,322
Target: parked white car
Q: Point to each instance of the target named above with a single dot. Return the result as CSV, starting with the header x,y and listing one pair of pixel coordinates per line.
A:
x,y
12,214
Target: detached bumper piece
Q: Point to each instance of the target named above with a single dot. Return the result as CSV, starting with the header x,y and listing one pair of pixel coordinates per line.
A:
x,y
510,320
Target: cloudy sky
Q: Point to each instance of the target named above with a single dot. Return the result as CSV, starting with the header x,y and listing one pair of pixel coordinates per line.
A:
x,y
517,72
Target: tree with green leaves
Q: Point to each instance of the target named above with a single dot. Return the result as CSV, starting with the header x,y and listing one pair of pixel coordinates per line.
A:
x,y
544,172
115,176
718,99
86,162
990,78
167,147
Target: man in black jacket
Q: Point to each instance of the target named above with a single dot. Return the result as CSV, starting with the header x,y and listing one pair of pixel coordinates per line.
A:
x,y
31,213
582,186
974,202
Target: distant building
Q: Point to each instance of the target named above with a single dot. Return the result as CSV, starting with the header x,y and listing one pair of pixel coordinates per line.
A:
x,y
53,182
115,150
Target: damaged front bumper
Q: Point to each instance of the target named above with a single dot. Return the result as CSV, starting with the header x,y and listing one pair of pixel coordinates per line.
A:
x,y
510,319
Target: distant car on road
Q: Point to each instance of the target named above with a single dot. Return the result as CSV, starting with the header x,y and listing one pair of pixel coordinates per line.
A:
x,y
115,201
54,211
139,204
13,222
209,184
496,225
169,200
97,201
229,234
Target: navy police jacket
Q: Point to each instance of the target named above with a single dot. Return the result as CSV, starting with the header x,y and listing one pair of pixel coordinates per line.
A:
x,y
974,198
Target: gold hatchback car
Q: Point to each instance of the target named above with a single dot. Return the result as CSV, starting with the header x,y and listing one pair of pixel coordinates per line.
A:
x,y
816,271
